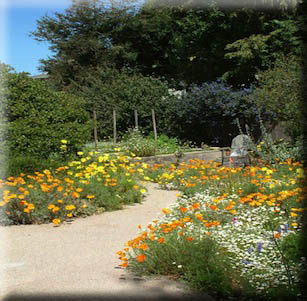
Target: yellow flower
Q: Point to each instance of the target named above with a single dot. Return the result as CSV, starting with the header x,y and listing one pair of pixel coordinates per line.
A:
x,y
90,196
166,211
143,190
135,187
70,207
31,206
75,194
55,209
50,206
46,172
2,204
60,201
80,153
64,141
56,221
69,214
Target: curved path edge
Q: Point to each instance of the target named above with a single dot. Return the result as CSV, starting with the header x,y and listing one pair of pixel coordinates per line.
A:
x,y
79,258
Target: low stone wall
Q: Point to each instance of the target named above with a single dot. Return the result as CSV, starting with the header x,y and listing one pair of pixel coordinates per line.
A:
x,y
215,155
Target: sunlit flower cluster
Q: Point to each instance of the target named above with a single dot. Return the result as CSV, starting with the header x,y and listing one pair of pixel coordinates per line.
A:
x,y
249,212
93,182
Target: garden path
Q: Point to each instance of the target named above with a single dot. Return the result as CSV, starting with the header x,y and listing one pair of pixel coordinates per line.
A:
x,y
78,259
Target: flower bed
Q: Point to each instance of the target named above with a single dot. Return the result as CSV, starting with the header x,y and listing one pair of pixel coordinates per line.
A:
x,y
94,183
233,232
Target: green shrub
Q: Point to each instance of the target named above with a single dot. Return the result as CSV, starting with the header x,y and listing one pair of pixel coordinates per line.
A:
x,y
207,112
28,164
276,151
125,91
279,90
136,143
38,118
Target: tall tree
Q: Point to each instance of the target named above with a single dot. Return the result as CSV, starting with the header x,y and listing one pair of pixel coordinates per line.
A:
x,y
189,44
81,38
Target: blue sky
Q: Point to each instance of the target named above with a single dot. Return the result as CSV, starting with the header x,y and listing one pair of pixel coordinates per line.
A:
x,y
18,18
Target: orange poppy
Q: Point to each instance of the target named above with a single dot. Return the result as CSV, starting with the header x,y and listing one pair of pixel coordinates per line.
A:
x,y
141,258
183,209
161,240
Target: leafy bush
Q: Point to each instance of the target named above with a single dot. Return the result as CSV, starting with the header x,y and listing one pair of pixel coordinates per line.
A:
x,y
134,141
125,91
139,145
207,113
279,89
273,152
38,118
29,164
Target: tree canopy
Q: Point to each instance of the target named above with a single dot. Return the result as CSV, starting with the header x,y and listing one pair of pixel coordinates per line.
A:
x,y
185,43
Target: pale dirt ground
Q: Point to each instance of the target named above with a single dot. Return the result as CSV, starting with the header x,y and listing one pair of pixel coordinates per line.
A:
x,y
78,261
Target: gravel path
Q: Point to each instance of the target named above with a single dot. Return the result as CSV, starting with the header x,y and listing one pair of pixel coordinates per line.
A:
x,y
78,261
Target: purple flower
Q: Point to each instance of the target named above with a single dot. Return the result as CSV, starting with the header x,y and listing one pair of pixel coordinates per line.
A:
x,y
246,262
259,246
234,220
286,228
249,250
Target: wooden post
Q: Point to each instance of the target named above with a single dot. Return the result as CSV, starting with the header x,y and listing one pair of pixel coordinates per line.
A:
x,y
154,123
114,126
95,130
136,119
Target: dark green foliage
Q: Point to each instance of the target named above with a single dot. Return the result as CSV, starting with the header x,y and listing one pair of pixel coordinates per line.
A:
x,y
82,38
124,91
38,118
27,164
179,42
207,113
279,89
292,247
204,272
